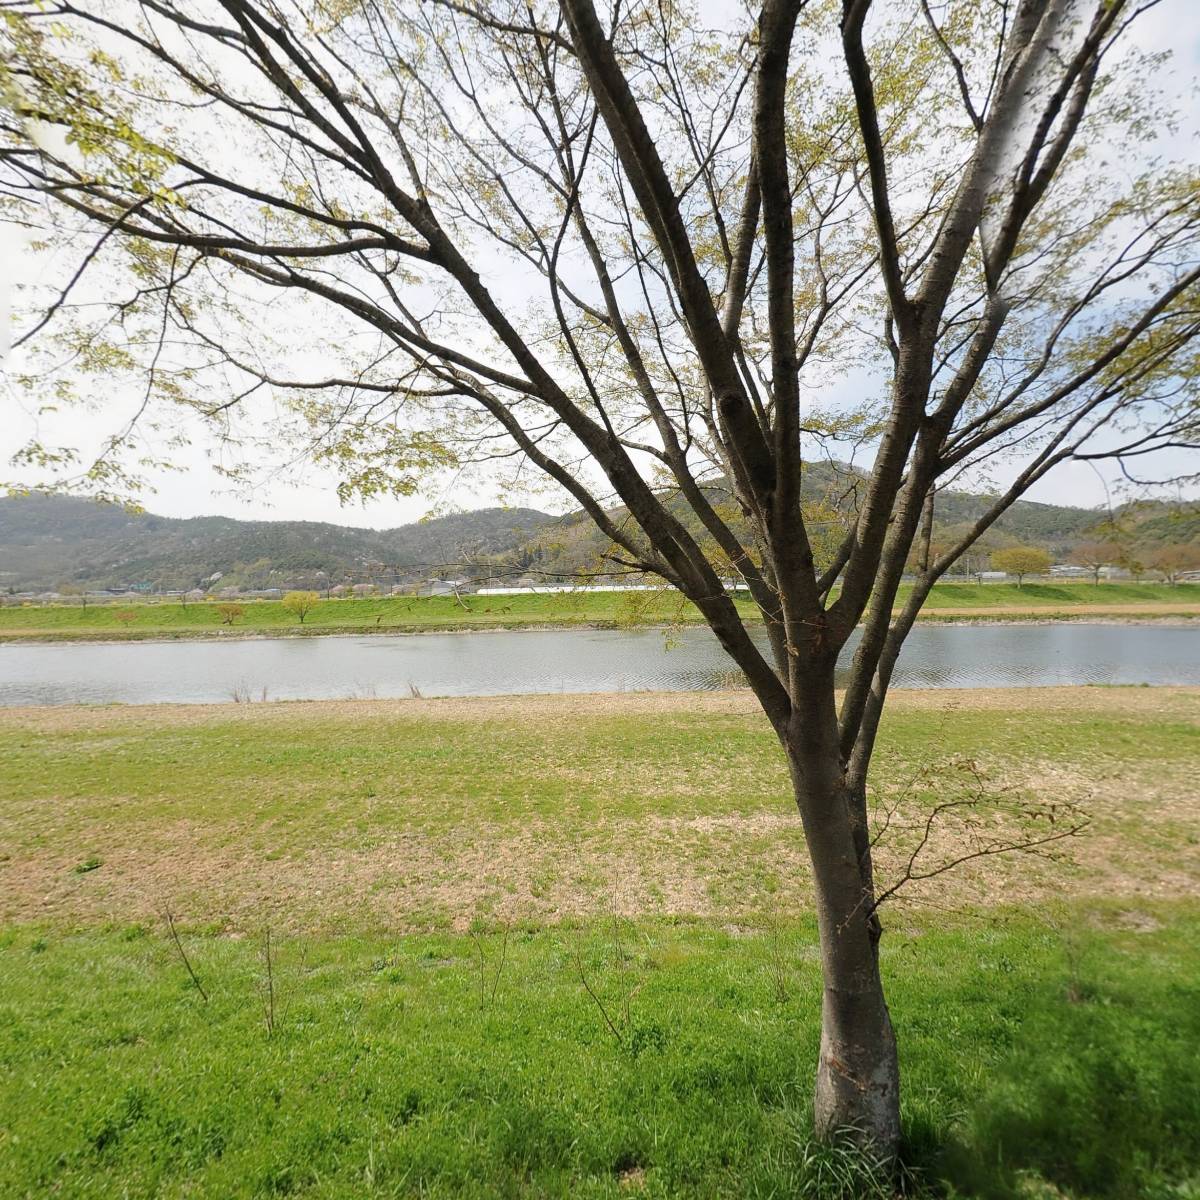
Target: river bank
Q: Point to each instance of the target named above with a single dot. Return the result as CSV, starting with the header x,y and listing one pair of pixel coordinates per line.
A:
x,y
1140,615
948,603
506,807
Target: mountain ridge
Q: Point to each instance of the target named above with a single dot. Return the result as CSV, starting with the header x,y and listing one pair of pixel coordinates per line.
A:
x,y
48,542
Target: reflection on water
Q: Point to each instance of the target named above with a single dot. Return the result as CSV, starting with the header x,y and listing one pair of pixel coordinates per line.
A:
x,y
575,660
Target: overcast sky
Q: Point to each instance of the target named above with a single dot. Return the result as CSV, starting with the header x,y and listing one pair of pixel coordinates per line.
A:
x,y
197,489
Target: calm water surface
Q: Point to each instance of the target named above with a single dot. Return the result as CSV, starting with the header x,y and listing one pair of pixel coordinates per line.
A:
x,y
576,660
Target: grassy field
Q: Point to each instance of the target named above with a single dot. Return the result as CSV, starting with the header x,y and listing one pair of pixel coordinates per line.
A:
x,y
558,947
402,614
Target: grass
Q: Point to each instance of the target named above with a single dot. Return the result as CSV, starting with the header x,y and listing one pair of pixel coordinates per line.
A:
x,y
1026,1056
401,614
419,815
440,877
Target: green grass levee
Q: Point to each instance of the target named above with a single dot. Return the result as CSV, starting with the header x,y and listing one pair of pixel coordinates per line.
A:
x,y
410,614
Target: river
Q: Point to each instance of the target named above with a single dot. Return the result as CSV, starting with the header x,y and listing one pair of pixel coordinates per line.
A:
x,y
566,660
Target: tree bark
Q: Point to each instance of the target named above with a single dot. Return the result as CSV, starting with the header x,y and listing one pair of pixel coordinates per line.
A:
x,y
857,1093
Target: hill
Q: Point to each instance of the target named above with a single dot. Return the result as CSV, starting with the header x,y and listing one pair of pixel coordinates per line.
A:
x,y
574,543
50,541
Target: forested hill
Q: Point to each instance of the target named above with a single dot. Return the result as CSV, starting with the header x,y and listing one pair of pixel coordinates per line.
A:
x,y
574,541
49,541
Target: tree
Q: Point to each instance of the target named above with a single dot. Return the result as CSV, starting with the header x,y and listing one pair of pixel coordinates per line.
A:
x,y
673,269
74,591
230,612
1131,559
1021,561
300,604
1172,561
1096,556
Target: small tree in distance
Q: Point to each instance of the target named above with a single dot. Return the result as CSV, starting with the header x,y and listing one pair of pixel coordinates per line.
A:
x,y
72,591
300,604
230,612
1096,556
1021,561
1172,561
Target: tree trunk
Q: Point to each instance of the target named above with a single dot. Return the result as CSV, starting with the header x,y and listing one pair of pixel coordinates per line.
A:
x,y
858,1079
858,1076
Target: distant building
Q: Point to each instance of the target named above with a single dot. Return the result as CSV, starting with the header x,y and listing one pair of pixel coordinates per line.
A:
x,y
532,589
446,587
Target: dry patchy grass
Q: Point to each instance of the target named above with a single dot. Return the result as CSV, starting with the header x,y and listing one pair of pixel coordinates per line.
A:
x,y
426,814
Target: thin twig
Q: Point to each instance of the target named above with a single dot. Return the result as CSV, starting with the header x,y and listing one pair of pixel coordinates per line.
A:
x,y
183,955
479,946
500,968
587,987
269,1010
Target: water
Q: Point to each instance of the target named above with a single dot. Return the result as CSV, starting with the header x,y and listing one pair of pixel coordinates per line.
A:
x,y
575,660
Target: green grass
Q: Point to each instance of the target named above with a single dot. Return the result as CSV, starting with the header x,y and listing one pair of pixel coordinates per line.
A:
x,y
644,843
1057,595
416,614
1026,1053
322,770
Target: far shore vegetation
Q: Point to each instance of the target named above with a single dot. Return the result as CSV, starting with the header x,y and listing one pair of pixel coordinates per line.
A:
x,y
124,619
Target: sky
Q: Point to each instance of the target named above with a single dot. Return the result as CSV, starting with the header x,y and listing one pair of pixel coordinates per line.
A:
x,y
310,493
